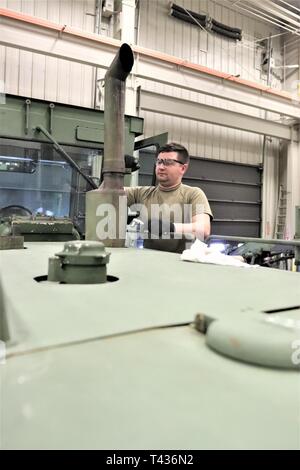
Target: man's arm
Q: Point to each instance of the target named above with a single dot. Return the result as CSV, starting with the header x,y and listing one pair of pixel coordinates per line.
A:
x,y
131,195
200,226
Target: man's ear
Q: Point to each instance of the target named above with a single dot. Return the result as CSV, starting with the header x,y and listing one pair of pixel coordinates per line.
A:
x,y
185,167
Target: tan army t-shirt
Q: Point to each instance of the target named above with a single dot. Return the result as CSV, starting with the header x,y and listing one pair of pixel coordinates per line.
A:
x,y
178,205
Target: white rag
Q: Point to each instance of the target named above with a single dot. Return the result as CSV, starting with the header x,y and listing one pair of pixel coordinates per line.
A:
x,y
201,253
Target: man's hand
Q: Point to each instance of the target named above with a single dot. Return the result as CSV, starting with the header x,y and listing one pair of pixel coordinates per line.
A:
x,y
199,227
158,227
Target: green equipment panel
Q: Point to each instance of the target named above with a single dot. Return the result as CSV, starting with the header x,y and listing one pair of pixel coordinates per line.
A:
x,y
124,364
68,125
34,171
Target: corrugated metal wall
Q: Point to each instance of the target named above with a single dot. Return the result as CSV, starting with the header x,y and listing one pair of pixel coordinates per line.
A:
x,y
290,165
37,76
164,33
48,78
34,75
167,34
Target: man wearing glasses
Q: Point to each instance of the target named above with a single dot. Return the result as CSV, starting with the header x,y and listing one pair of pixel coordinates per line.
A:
x,y
171,211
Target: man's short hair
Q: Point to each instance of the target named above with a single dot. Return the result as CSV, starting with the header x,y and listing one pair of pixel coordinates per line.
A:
x,y
182,152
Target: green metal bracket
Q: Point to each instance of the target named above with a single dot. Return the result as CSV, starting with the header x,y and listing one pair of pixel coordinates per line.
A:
x,y
51,110
67,157
27,115
157,141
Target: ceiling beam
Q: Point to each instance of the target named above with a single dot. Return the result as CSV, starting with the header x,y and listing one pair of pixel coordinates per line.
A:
x,y
169,105
86,48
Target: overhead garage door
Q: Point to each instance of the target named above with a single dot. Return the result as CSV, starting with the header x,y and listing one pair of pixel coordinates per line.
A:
x,y
233,191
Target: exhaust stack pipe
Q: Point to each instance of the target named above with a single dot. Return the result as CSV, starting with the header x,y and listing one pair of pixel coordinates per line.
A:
x,y
106,207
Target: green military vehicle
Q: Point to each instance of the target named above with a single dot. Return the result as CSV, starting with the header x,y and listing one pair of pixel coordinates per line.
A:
x,y
107,347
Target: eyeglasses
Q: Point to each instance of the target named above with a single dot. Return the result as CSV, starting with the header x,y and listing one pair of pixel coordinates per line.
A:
x,y
167,162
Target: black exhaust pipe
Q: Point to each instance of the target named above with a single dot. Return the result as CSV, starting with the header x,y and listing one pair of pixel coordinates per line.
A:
x,y
114,109
106,208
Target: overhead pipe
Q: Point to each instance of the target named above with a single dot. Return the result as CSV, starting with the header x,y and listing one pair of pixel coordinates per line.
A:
x,y
276,18
225,32
289,5
204,21
264,16
280,12
185,11
188,19
111,194
226,27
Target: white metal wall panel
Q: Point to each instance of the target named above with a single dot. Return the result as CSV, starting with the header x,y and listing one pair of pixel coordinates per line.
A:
x,y
167,34
290,163
39,61
37,76
270,188
58,80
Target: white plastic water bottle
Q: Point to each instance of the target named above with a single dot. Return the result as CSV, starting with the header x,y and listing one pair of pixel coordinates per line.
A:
x,y
139,241
134,237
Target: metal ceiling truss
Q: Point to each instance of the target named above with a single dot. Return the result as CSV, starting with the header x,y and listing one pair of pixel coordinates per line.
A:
x,y
280,13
